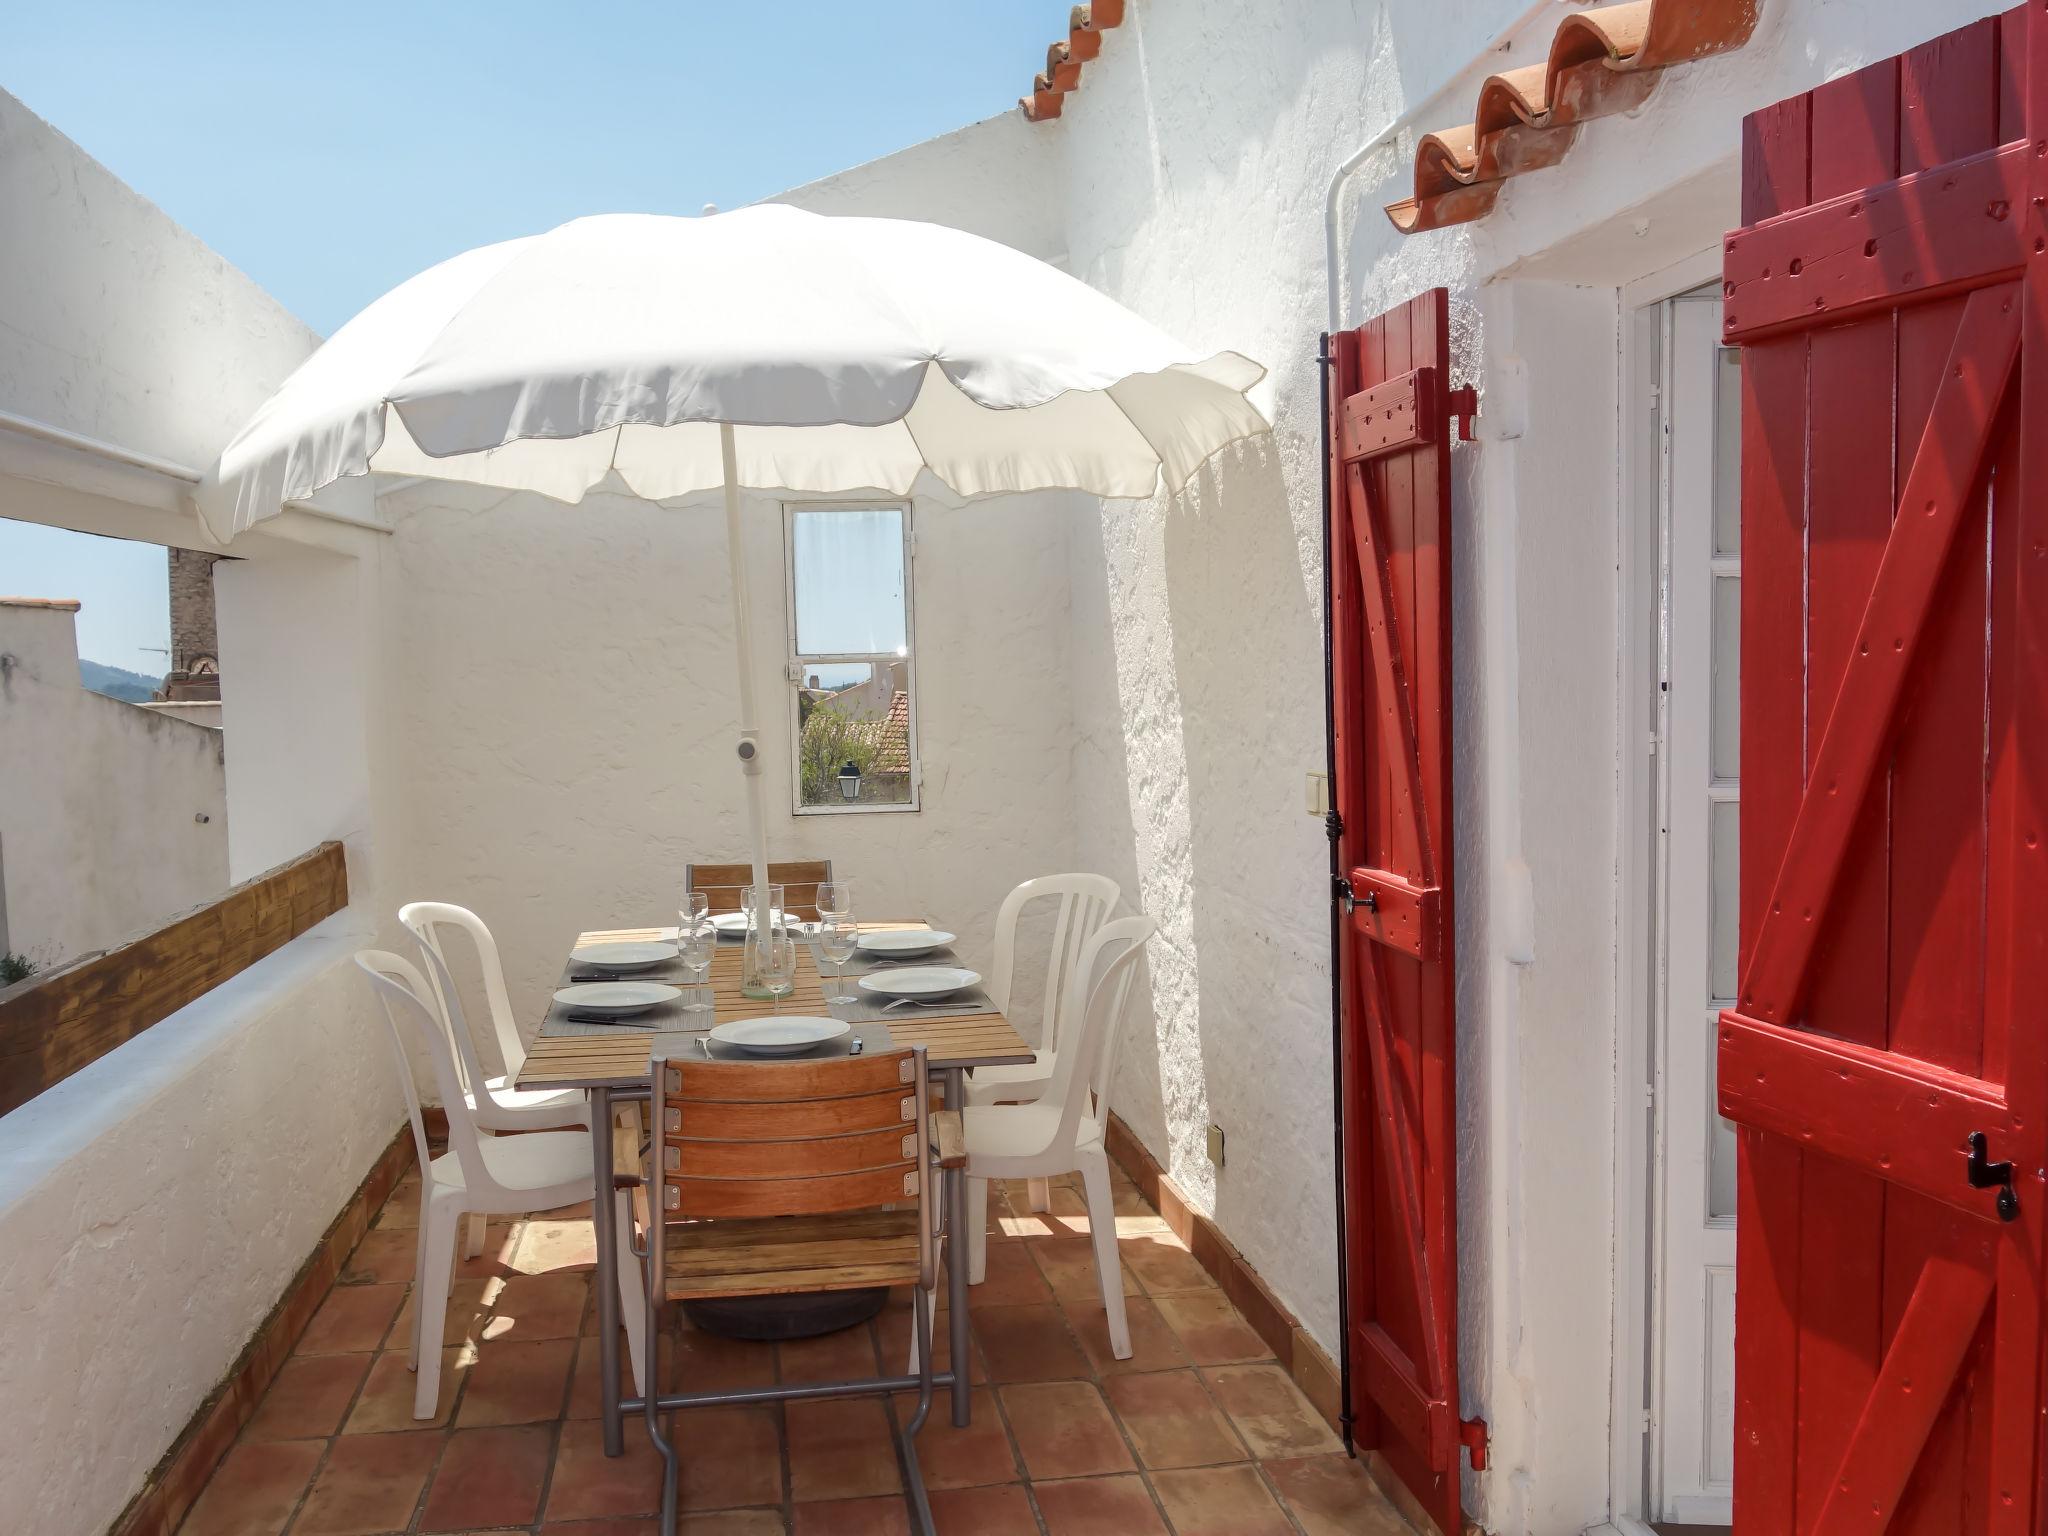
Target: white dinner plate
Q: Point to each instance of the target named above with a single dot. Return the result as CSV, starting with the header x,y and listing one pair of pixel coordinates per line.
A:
x,y
779,1035
619,999
903,941
919,981
739,922
623,955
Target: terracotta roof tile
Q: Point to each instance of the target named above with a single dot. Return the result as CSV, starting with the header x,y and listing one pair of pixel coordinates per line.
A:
x,y
1601,62
1063,60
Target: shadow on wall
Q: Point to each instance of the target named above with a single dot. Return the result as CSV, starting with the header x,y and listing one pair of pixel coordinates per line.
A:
x,y
1192,781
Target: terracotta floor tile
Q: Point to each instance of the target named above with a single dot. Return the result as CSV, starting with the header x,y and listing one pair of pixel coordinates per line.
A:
x,y
462,1320
1063,1429
1012,1279
1098,1506
1153,1345
840,1356
1162,1265
1210,1329
840,1449
489,1477
495,1262
731,1457
854,1517
1220,1501
517,1383
709,1362
639,1527
254,1489
550,1243
352,1320
369,1483
1333,1496
529,1307
401,1212
589,1485
961,1458
382,1258
726,1522
1276,1419
583,1403
385,1403
1069,1268
308,1398
1004,1511
1028,1344
1172,1421
893,1327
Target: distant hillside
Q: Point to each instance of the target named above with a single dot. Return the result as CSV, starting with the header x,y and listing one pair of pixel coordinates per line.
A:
x,y
118,682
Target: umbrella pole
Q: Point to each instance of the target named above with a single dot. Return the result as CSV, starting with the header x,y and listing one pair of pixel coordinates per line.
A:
x,y
749,747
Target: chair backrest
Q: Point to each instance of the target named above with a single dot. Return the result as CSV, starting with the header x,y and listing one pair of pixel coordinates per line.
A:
x,y
725,885
407,999
429,922
1085,902
797,1138
1081,1073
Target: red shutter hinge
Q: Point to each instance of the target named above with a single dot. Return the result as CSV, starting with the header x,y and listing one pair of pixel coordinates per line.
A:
x,y
1463,407
1472,1435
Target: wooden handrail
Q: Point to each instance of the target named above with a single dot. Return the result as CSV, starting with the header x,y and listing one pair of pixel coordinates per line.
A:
x,y
56,1024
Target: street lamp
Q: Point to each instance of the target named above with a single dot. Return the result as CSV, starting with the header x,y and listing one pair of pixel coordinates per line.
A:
x,y
849,782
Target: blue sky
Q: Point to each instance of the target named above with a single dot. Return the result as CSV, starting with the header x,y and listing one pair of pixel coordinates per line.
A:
x,y
331,152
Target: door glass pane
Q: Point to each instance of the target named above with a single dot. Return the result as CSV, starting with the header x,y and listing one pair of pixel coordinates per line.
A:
x,y
1724,852
1728,451
1721,1145
848,575
1726,721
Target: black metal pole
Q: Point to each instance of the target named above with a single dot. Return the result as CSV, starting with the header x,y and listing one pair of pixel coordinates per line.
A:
x,y
1335,827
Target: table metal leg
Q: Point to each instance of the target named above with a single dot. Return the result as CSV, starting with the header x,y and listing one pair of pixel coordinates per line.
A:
x,y
604,1220
956,1263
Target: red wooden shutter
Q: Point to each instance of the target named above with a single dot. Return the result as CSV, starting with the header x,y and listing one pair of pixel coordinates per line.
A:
x,y
1390,677
1886,1060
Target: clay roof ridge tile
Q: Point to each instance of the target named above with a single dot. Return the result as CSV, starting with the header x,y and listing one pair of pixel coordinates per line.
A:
x,y
1600,62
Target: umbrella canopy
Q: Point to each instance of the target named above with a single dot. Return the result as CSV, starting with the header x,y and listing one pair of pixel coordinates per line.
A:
x,y
848,353
768,349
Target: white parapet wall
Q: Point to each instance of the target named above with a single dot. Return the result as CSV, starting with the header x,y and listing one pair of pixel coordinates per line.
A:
x,y
113,818
153,1208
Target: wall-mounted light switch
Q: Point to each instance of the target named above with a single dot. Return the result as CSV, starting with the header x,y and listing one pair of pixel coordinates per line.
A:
x,y
1216,1145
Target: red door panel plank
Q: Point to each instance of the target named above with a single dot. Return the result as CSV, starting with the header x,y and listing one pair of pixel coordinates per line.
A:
x,y
1863,253
1884,1115
1911,1391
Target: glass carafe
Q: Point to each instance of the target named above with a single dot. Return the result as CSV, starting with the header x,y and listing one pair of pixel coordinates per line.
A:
x,y
751,961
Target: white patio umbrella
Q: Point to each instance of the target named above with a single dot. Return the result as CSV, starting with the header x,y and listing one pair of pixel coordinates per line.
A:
x,y
765,349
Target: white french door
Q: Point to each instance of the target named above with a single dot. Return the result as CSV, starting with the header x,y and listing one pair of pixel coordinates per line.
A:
x,y
1699,605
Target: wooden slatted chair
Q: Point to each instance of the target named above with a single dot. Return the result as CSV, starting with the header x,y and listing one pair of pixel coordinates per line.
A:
x,y
767,1178
725,885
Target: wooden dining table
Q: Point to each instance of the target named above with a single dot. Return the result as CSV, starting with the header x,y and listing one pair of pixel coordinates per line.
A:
x,y
610,1063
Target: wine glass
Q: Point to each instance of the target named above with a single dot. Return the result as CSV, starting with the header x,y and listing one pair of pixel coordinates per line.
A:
x,y
778,965
696,940
837,933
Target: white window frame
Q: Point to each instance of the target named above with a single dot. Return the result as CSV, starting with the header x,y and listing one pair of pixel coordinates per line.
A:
x,y
797,660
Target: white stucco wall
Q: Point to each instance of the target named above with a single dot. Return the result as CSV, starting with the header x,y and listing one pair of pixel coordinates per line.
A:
x,y
113,819
116,323
153,1207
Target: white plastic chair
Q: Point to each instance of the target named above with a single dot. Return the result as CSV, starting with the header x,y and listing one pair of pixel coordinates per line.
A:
x,y
1062,1131
480,1175
499,1106
1085,902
